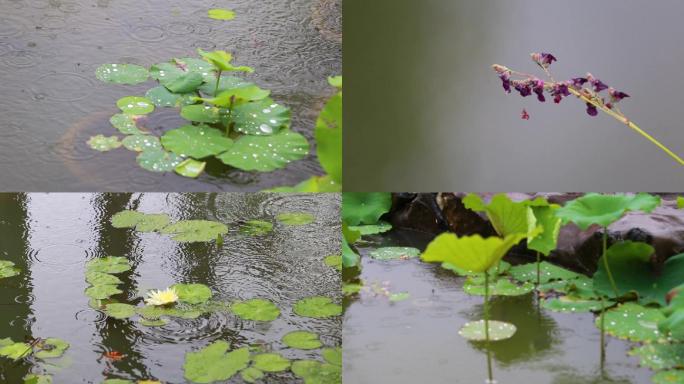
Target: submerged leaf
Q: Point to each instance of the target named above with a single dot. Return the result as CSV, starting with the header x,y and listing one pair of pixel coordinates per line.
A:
x,y
266,153
295,218
215,363
135,105
302,340
256,309
122,73
498,330
104,144
196,230
256,227
197,141
317,307
393,253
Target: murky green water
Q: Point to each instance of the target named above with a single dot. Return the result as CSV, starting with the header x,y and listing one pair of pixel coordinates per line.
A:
x,y
51,102
51,236
417,340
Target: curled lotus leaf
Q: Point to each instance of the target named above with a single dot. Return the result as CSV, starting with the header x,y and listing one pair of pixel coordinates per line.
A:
x,y
195,230
215,363
122,73
190,168
126,124
222,61
507,216
361,208
135,105
660,356
394,253
574,304
295,218
52,347
139,143
193,293
197,141
472,253
633,322
548,272
372,229
317,307
315,372
162,97
221,14
109,264
119,310
498,330
260,118
266,153
201,113
544,216
157,160
270,362
256,227
596,208
101,292
302,340
104,143
256,309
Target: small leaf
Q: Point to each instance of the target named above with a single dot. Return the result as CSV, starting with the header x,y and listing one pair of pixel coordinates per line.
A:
x,y
109,264
101,292
157,160
372,229
394,253
197,141
139,143
399,296
99,278
162,97
186,83
221,14
295,218
501,287
317,307
256,309
251,375
221,60
193,293
152,323
119,310
260,118
16,351
335,81
201,113
573,304
239,96
52,347
266,153
256,227
315,372
195,230
302,340
126,124
334,261
190,168
498,330
215,363
7,269
134,105
104,144
122,73
333,356
270,362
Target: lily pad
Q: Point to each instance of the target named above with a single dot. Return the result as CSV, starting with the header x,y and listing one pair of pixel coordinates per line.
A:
x,y
360,208
334,261
501,269
315,372
126,124
99,278
104,143
153,323
270,362
126,219
139,143
394,253
633,322
372,229
548,272
260,118
16,351
251,374
190,168
256,309
162,97
295,218
152,222
573,304
101,292
302,340
122,73
119,310
470,252
498,330
317,307
660,356
193,293
328,134
52,347
668,377
595,208
399,296
266,153
332,356
168,72
157,160
215,363
135,105
197,141
109,264
501,287
195,230
186,83
256,227
221,14
350,289
201,113
7,269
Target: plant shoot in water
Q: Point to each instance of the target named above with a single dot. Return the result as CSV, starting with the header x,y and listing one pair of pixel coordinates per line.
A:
x,y
588,89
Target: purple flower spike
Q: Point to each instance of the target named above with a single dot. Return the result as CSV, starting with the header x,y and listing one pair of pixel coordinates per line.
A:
x,y
578,82
616,96
598,85
538,89
506,79
591,110
544,59
523,88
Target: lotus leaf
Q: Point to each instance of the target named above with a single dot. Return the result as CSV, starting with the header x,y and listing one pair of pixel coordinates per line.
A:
x,y
582,287
544,216
595,208
238,96
660,356
633,322
500,287
350,258
119,310
139,143
226,83
122,73
16,351
201,113
350,289
221,60
104,143
193,293
548,272
126,219
153,323
501,269
328,134
668,377
498,330
372,229
334,261
215,363
317,307
168,72
5,342
197,141
295,218
7,269
101,292
333,356
190,168
314,184
633,271
251,374
196,230
109,264
256,309
470,252
335,81
260,118
270,362
256,227
185,83
507,217
399,296
221,14
126,124
302,340
33,378
157,160
680,202
394,253
152,222
574,304
135,105
315,372
674,324
52,347
266,153
162,97
359,208
99,278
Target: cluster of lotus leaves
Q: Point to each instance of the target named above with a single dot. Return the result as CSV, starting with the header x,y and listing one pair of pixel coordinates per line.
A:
x,y
595,208
182,231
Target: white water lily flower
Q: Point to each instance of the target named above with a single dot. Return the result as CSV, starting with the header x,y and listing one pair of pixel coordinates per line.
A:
x,y
161,297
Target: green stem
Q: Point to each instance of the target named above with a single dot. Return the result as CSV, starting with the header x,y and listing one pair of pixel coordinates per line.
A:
x,y
218,80
605,262
229,123
538,271
603,333
486,321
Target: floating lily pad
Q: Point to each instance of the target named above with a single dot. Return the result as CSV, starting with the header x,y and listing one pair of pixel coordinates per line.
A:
x,y
126,124
122,73
595,208
197,141
221,14
99,278
215,363
302,340
251,374
633,322
52,347
372,229
500,269
152,222
139,143
195,230
201,113
157,160
193,293
256,227
266,153
153,323
394,253
501,287
162,97
170,71
498,330
270,362
7,269
334,261
668,377
364,208
660,356
295,218
33,378
332,356
186,83
256,309
101,292
104,143
190,168
135,105
119,310
260,118
317,307
126,219
109,264
573,304
350,289
16,351
548,272
399,296
315,372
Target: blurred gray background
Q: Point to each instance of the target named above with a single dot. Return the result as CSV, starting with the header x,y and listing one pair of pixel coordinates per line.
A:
x,y
425,112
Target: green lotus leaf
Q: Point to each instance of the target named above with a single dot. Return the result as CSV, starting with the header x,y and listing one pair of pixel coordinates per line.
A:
x,y
260,118
270,362
256,227
5,342
335,81
251,374
193,293
394,253
256,309
152,323
226,83
500,287
122,73
221,14
126,219
101,292
197,141
109,264
104,143
574,304
162,97
360,208
350,258
351,289
399,296
332,356
33,378
152,222
501,269
674,324
595,208
126,124
633,322
660,356
240,96
334,261
215,363
302,340
266,153
16,351
315,372
507,216
498,330
372,229
196,230
201,113
328,134
190,168
548,272
668,377
295,218
152,312
119,310
544,216
157,160
317,307
633,272
186,83
221,60
470,252
135,105
139,143
581,287
7,269
99,278
168,72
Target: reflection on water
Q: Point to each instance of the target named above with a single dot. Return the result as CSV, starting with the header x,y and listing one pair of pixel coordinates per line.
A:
x,y
51,102
417,340
50,236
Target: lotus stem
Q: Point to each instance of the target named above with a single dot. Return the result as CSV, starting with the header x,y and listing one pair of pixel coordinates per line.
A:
x,y
218,80
603,332
486,321
538,271
229,123
605,262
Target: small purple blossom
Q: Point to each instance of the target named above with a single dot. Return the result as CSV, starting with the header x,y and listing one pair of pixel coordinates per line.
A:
x,y
596,83
544,59
578,82
616,95
591,109
506,80
538,89
559,91
523,88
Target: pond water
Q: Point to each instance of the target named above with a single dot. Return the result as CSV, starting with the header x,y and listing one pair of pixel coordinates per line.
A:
x,y
51,237
417,340
51,102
